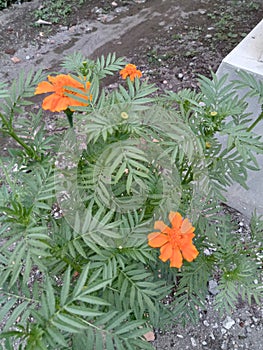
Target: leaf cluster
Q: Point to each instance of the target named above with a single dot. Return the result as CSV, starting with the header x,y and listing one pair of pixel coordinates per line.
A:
x,y
75,267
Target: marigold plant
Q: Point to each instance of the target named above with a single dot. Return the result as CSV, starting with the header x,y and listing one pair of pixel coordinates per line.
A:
x,y
175,242
83,206
60,86
130,71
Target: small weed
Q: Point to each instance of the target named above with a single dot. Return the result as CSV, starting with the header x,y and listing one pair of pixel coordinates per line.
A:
x,y
54,11
177,36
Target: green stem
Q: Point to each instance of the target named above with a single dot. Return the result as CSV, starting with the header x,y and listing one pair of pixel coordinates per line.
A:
x,y
251,127
259,118
69,115
185,181
10,131
28,149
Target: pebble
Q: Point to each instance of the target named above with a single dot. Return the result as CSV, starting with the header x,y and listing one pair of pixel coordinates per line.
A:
x,y
121,9
180,75
213,287
248,329
193,342
15,59
179,336
228,322
206,323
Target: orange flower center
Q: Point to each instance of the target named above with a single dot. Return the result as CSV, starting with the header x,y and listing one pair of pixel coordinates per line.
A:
x,y
175,238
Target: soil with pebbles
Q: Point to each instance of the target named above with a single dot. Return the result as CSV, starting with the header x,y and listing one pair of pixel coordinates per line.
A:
x,y
177,41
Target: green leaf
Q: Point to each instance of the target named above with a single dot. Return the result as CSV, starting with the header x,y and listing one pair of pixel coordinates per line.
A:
x,y
81,280
65,287
82,311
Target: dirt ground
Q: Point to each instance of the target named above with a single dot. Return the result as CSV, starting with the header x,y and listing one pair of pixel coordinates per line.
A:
x,y
171,42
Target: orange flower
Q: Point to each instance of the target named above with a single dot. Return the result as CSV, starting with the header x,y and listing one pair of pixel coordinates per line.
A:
x,y
130,71
58,101
176,241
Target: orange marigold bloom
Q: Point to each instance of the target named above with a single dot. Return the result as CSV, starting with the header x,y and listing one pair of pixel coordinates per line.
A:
x,y
58,101
176,241
130,71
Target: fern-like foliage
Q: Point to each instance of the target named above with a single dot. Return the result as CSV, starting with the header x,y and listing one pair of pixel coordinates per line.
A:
x,y
75,211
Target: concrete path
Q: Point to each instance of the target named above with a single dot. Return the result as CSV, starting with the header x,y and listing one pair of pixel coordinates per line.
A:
x,y
248,57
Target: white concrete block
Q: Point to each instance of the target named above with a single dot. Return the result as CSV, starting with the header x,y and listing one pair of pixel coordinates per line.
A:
x,y
247,56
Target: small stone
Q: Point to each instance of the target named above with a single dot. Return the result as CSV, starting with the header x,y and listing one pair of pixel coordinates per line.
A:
x,y
228,322
179,336
224,346
248,329
121,9
149,336
28,57
213,287
114,3
15,59
165,82
204,342
193,342
206,323
223,331
180,75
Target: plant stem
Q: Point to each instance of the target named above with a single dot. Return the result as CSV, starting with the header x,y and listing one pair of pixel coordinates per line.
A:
x,y
259,118
185,181
251,127
10,131
69,115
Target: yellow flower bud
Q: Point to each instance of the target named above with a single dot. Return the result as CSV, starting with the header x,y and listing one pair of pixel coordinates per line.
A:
x,y
213,114
124,115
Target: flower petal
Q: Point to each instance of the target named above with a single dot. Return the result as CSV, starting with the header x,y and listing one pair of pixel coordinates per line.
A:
x,y
166,252
157,239
175,219
189,252
44,87
160,225
55,103
187,227
176,260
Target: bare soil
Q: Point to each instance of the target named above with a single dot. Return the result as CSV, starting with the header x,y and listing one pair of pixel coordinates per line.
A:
x,y
176,41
